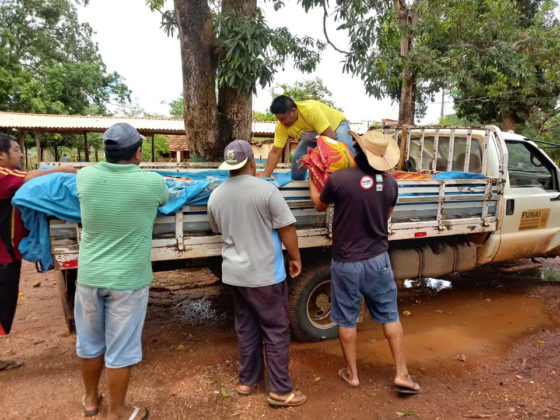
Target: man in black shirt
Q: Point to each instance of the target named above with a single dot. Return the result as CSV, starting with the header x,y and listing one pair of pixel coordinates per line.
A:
x,y
364,198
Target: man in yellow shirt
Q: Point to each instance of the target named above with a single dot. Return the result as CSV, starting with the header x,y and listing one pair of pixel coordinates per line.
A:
x,y
304,120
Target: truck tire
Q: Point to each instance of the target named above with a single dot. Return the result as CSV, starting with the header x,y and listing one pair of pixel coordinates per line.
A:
x,y
310,303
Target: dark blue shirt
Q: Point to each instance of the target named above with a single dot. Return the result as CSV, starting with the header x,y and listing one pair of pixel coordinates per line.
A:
x,y
362,202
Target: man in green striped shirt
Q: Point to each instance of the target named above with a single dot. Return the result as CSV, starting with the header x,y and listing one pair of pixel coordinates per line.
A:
x,y
118,204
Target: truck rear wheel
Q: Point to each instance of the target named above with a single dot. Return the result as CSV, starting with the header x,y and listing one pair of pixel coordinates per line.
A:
x,y
310,303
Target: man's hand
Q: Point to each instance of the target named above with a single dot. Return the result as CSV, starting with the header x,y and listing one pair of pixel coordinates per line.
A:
x,y
315,195
294,268
303,164
67,169
262,175
272,160
41,172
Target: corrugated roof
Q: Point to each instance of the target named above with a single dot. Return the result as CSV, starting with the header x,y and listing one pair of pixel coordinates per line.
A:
x,y
89,123
77,124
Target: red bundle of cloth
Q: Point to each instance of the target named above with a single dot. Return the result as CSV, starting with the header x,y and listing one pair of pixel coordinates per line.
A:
x,y
329,156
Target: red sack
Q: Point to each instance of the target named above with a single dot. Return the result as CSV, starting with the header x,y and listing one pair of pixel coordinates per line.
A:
x,y
329,156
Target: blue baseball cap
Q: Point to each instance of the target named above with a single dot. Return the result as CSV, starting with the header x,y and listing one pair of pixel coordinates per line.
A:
x,y
122,135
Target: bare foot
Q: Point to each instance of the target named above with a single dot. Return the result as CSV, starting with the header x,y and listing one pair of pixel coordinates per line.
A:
x,y
131,413
346,376
406,385
244,389
292,399
91,404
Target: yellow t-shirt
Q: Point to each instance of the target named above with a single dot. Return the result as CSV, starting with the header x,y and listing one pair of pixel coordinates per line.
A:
x,y
312,116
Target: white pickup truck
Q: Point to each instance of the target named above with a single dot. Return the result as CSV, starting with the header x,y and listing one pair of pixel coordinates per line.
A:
x,y
446,219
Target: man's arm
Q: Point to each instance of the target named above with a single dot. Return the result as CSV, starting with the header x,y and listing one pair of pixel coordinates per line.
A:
x,y
272,161
329,132
316,195
288,236
211,219
40,172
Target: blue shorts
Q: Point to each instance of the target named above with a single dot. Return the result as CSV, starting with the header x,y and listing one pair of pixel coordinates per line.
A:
x,y
110,322
373,279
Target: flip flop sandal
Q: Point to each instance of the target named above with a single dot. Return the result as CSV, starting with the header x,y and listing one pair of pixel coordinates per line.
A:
x,y
136,411
244,391
11,364
288,402
93,412
346,381
407,389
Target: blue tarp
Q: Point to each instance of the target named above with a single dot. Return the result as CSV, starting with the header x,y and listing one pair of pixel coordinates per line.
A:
x,y
458,175
56,195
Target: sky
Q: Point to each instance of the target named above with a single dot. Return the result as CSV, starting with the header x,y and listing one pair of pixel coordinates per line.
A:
x,y
131,43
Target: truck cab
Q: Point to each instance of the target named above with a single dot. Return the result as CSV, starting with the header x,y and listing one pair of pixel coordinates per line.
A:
x,y
530,217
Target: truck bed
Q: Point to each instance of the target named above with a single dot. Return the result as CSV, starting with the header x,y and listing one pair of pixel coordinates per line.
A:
x,y
425,208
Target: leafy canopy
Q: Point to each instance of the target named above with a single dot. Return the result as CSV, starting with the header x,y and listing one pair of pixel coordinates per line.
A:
x,y
508,63
308,89
48,62
249,51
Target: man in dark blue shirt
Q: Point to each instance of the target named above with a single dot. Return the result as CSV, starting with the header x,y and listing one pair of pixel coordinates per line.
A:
x,y
364,198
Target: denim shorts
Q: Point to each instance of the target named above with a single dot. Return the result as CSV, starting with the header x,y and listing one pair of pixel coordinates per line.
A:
x,y
110,322
373,279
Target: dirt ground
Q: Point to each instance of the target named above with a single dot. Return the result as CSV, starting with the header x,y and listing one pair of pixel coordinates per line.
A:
x,y
484,348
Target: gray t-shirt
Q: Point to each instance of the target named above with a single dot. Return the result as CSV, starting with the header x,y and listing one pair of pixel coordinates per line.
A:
x,y
247,211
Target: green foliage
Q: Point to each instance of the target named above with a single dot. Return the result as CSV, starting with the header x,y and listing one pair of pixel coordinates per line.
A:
x,y
508,63
249,51
497,57
454,119
161,146
253,52
308,89
263,116
550,136
374,52
177,107
48,62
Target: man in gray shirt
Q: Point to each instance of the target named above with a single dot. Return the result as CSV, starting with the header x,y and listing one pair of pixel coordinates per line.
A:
x,y
254,221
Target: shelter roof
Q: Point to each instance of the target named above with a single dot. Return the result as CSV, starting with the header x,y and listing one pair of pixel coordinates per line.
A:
x,y
78,124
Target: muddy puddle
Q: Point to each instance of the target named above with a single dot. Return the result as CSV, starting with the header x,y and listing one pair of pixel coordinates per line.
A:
x,y
465,320
462,320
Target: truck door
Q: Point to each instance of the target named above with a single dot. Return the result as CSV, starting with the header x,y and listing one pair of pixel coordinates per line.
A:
x,y
531,217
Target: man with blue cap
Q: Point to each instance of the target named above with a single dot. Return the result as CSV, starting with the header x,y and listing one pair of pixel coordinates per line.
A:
x,y
118,204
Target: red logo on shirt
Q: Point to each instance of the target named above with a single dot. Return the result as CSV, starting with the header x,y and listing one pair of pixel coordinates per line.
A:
x,y
366,182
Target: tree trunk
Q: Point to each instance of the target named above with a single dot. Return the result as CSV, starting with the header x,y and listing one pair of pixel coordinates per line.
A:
x,y
196,35
407,104
235,106
407,17
507,121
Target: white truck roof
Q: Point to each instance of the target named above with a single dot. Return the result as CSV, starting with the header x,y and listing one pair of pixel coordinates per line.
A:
x,y
508,135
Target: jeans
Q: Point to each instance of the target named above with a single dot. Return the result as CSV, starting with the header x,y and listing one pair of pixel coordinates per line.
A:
x,y
308,139
110,322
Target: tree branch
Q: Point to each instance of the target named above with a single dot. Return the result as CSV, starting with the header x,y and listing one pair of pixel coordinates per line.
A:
x,y
325,14
542,129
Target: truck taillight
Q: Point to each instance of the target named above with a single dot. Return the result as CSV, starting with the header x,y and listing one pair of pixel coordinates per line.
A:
x,y
420,234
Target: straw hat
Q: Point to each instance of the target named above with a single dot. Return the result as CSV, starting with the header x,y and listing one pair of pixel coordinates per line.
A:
x,y
382,151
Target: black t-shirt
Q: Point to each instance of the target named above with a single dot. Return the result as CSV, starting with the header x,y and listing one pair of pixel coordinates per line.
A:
x,y
362,202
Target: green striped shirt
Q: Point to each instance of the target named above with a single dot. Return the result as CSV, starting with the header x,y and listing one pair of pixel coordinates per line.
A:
x,y
118,207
